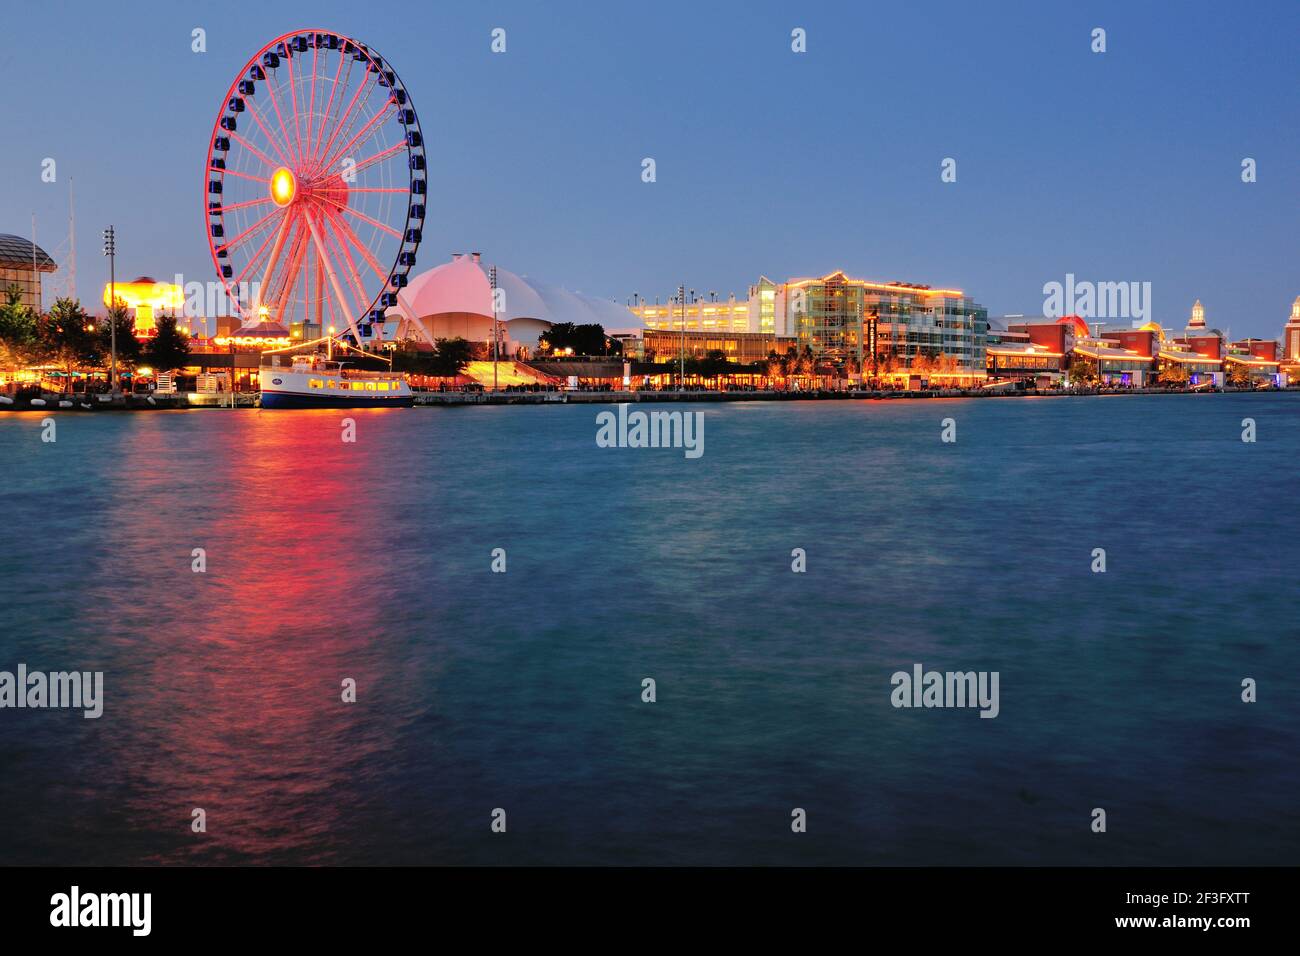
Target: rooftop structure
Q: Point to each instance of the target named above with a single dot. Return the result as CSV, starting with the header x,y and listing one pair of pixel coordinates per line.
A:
x,y
22,263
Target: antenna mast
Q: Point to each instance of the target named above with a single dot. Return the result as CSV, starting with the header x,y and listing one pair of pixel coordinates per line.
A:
x,y
72,244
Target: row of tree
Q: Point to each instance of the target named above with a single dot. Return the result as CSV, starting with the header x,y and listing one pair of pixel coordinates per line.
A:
x,y
68,338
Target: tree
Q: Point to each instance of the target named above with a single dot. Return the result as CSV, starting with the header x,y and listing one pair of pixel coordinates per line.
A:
x,y
583,339
802,366
68,337
170,348
713,364
128,346
18,330
1174,373
450,356
1082,370
1238,375
774,369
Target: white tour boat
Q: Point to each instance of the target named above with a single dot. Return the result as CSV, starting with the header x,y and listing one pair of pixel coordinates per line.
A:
x,y
313,380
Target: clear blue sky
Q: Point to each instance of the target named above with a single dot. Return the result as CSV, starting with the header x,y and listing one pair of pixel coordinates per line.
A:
x,y
1115,167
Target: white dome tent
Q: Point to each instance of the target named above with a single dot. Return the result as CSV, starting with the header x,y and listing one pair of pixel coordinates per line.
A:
x,y
455,300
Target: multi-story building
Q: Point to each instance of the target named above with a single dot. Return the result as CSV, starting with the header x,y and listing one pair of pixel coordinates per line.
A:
x,y
703,315
842,318
1013,354
663,345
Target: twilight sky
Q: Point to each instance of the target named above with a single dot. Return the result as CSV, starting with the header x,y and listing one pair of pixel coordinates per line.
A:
x,y
1122,166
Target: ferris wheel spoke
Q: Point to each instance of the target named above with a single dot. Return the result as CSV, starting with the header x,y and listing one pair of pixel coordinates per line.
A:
x,y
247,232
332,276
254,260
370,125
290,279
352,281
272,261
329,106
252,149
366,219
293,98
257,179
351,236
376,157
357,284
342,120
275,143
284,130
279,278
246,204
311,106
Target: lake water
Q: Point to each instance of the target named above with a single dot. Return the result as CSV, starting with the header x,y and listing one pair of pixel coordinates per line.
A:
x,y
522,690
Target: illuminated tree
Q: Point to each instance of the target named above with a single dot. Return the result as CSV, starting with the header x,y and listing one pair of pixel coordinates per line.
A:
x,y
1082,370
169,349
68,337
18,330
1174,373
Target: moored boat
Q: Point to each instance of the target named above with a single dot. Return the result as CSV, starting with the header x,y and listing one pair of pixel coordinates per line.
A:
x,y
313,380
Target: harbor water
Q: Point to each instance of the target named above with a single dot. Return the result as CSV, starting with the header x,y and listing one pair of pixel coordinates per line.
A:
x,y
228,571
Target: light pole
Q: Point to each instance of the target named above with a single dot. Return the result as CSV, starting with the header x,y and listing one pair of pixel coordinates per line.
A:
x,y
681,353
1099,326
496,331
110,250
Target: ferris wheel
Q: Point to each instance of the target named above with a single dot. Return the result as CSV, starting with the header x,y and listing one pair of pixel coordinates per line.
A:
x,y
315,185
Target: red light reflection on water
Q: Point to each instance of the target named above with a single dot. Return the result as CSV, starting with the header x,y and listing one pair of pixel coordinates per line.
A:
x,y
228,682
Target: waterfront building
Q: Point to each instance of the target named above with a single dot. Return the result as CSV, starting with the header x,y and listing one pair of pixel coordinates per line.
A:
x,y
661,345
1054,335
842,317
1258,359
22,263
847,322
1115,365
705,315
1012,355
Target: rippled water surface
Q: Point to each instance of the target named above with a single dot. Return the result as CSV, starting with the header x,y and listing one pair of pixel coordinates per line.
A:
x,y
522,690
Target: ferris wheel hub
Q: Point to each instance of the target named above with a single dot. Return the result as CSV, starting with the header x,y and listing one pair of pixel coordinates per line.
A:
x,y
284,185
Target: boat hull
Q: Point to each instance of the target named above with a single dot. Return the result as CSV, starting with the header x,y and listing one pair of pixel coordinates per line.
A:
x,y
292,400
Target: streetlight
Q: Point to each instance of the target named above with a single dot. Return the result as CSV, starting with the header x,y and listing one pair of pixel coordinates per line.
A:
x,y
1099,326
681,372
110,250
496,331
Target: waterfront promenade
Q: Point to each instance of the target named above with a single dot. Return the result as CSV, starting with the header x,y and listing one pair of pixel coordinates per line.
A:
x,y
603,397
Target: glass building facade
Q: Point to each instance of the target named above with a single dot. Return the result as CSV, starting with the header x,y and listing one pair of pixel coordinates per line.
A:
x,y
843,317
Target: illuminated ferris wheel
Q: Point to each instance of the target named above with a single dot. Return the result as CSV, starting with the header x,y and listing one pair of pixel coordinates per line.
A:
x,y
315,185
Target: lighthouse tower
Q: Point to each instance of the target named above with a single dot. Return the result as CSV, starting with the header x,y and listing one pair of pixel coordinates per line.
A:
x,y
1291,334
